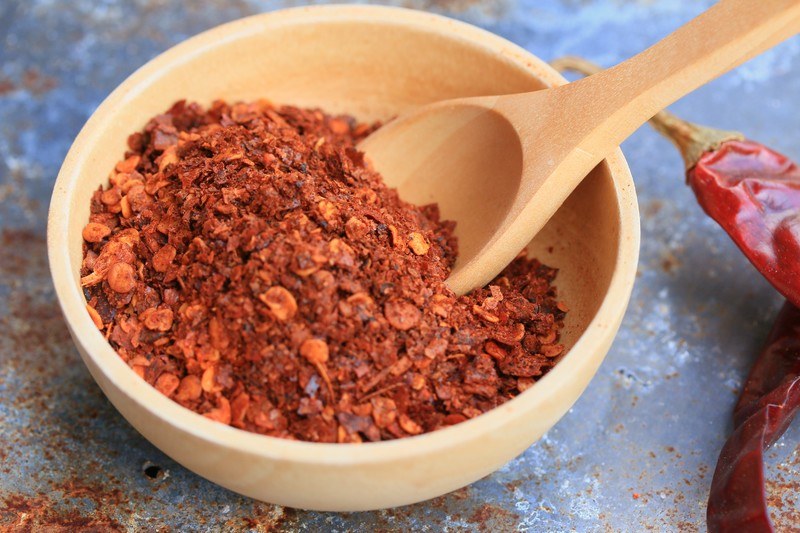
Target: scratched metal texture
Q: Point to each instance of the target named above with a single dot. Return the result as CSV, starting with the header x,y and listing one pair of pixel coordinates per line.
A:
x,y
635,453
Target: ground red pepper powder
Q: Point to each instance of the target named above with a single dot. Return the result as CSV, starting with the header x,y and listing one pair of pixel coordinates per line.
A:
x,y
247,263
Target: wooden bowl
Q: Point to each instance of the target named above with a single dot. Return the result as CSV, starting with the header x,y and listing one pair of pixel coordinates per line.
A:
x,y
373,62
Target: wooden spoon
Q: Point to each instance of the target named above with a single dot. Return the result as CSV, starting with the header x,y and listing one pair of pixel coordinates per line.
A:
x,y
536,147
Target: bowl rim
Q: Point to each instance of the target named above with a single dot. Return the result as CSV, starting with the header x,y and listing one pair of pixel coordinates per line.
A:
x,y
108,362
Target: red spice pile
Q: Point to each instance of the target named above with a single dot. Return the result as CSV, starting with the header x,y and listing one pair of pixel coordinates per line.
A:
x,y
247,263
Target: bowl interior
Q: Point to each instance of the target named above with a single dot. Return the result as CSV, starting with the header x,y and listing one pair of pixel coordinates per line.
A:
x,y
351,60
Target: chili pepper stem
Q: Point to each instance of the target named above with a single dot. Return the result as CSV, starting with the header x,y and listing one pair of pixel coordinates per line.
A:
x,y
692,140
379,392
324,373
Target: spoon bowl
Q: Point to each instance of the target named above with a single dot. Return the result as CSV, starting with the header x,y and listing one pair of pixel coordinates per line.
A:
x,y
354,59
473,169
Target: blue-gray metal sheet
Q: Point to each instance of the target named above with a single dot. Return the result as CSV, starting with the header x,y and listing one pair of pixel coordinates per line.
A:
x,y
637,450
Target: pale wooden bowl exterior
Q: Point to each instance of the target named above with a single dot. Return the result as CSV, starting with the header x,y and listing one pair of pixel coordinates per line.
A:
x,y
373,62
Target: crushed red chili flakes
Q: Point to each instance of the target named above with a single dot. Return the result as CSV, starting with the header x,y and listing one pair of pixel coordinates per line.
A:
x,y
246,262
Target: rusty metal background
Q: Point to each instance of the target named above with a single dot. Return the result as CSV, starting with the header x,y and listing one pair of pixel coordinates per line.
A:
x,y
635,453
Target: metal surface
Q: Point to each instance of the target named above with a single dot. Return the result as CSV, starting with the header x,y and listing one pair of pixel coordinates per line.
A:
x,y
635,453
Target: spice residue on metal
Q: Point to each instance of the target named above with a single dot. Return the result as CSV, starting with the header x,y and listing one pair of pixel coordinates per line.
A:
x,y
704,319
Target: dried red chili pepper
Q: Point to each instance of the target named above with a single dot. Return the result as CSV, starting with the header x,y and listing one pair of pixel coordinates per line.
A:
x,y
753,192
750,190
767,404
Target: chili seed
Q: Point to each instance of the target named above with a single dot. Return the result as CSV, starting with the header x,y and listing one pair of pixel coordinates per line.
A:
x,y
159,320
95,232
402,315
167,384
280,302
163,258
121,277
315,351
189,389
418,244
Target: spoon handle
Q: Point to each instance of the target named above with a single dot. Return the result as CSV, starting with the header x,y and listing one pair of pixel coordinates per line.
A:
x,y
617,101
